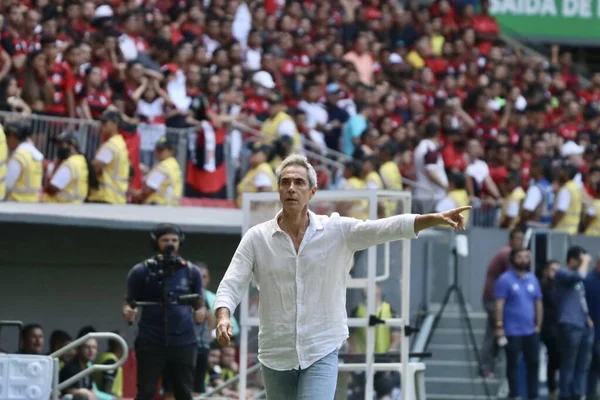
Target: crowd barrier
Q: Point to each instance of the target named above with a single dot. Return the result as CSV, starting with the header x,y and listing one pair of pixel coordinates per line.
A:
x,y
328,163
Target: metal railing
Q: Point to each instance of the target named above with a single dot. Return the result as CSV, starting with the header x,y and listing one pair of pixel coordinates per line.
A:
x,y
229,382
58,387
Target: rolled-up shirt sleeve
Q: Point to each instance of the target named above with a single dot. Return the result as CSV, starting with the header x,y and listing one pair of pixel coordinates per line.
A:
x,y
238,276
364,234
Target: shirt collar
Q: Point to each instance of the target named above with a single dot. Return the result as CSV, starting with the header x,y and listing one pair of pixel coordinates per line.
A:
x,y
314,223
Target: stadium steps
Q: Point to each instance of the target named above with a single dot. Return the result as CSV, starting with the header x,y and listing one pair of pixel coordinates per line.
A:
x,y
452,372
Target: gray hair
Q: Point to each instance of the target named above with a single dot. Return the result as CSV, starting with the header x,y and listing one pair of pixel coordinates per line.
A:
x,y
298,159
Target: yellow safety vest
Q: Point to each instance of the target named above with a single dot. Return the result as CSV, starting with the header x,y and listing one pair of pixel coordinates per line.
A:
x,y
98,376
460,197
383,335
173,179
28,185
392,180
570,221
360,208
391,176
247,184
3,162
270,125
518,195
77,189
594,228
373,177
114,181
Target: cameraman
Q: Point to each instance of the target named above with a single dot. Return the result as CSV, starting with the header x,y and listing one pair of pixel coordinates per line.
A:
x,y
166,340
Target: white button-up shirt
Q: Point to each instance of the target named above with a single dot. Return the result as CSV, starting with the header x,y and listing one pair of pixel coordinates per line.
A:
x,y
302,307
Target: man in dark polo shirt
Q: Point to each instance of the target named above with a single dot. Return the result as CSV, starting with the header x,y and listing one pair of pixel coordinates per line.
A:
x,y
592,295
498,265
166,341
575,327
519,313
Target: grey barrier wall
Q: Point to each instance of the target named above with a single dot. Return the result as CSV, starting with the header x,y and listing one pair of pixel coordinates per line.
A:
x,y
65,277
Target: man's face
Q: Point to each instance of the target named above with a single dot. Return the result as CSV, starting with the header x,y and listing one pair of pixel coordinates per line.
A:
x,y
205,276
516,240
214,357
552,270
522,260
89,350
227,356
294,188
34,342
107,128
168,239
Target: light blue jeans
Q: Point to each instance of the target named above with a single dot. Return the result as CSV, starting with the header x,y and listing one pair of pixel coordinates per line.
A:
x,y
316,382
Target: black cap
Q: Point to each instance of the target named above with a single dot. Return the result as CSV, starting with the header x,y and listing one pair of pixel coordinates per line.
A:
x,y
256,147
165,143
20,129
110,115
67,137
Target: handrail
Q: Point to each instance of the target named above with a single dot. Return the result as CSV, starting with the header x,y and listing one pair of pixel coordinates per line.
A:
x,y
94,367
229,382
319,157
18,324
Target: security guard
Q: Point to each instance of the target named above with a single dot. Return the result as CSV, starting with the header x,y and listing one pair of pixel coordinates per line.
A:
x,y
512,202
111,163
25,172
260,177
568,203
166,340
354,181
279,123
164,183
69,183
390,175
591,220
3,162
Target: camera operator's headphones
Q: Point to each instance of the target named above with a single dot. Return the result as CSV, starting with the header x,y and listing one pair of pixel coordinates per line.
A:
x,y
165,229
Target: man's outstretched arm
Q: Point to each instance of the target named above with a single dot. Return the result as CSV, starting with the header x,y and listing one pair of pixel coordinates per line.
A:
x,y
364,234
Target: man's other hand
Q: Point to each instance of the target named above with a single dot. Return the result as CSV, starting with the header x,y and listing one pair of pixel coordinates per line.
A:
x,y
224,331
129,313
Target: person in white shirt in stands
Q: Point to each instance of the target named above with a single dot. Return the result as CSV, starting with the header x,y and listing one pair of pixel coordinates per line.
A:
x,y
429,168
301,261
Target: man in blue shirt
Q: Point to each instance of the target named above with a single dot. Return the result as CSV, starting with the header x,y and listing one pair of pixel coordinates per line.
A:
x,y
575,327
592,295
519,318
166,341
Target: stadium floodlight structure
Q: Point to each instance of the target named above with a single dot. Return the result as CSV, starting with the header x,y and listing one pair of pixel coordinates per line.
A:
x,y
261,207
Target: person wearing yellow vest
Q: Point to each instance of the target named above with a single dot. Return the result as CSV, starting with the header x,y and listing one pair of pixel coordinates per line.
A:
x,y
457,195
359,209
386,338
110,381
591,220
279,123
111,163
71,179
3,162
390,174
513,199
24,172
164,183
373,181
569,202
260,177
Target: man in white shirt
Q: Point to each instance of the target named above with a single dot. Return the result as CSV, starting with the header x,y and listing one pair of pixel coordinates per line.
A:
x,y
301,261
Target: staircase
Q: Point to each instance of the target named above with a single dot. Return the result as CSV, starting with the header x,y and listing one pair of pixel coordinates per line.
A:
x,y
452,372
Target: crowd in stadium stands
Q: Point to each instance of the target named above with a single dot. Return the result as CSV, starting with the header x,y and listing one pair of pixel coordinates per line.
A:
x,y
428,93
